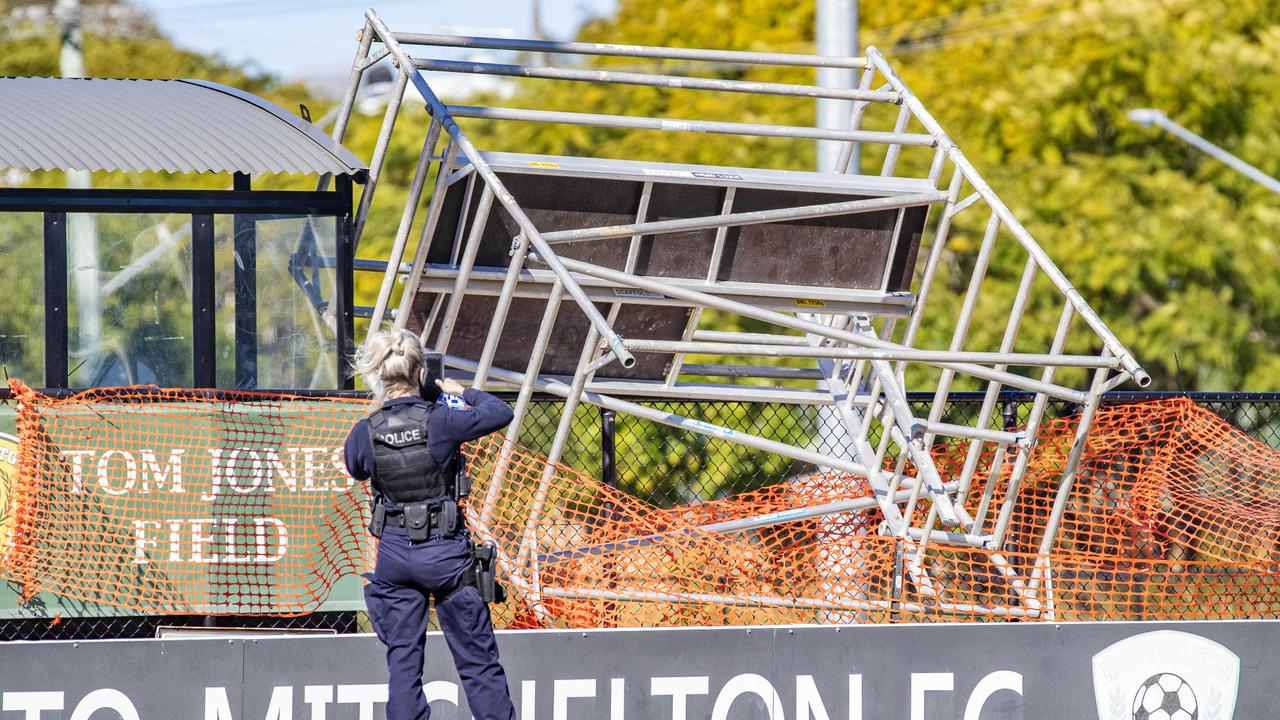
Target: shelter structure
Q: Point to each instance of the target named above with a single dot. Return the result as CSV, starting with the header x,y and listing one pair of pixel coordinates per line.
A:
x,y
137,283
588,278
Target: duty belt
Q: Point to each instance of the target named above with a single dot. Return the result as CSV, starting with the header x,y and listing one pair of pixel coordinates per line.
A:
x,y
396,517
419,519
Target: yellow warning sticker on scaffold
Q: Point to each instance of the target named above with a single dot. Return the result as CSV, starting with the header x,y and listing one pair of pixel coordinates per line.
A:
x,y
544,164
809,302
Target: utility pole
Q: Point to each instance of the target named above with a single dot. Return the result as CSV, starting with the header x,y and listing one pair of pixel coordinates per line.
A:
x,y
537,33
1148,117
69,20
837,34
82,231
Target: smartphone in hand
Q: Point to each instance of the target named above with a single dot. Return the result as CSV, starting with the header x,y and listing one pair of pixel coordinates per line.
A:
x,y
434,363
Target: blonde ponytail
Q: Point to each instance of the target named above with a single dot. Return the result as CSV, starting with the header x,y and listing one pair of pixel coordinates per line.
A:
x,y
389,363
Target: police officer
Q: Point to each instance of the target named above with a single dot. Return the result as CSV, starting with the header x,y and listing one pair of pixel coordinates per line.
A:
x,y
409,448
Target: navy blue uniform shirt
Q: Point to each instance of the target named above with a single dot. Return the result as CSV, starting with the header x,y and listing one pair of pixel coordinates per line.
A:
x,y
447,428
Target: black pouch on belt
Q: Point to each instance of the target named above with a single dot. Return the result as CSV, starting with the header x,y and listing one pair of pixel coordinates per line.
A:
x,y
377,518
462,481
447,518
417,520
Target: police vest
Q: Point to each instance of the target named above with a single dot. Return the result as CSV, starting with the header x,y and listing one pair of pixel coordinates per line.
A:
x,y
403,469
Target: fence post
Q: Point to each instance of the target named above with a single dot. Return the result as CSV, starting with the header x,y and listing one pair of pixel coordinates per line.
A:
x,y
1010,413
608,453
895,594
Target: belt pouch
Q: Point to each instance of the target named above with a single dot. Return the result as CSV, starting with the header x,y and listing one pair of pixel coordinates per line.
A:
x,y
417,521
377,518
447,518
463,481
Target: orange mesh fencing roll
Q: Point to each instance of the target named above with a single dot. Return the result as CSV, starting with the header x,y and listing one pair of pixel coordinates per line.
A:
x,y
236,503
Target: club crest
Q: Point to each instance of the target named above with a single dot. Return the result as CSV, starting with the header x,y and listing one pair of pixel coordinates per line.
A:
x,y
1166,675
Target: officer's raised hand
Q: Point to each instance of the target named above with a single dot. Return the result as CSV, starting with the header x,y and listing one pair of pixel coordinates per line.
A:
x,y
449,386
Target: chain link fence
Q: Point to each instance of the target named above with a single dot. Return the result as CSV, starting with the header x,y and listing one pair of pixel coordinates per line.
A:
x,y
666,467
121,627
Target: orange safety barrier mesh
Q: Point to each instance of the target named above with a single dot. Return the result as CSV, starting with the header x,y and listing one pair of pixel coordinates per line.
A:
x,y
175,502
168,503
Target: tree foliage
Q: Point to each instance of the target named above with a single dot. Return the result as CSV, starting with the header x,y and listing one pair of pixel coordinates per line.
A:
x,y
1175,251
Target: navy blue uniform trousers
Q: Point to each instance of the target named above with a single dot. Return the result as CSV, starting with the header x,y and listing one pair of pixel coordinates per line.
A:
x,y
406,575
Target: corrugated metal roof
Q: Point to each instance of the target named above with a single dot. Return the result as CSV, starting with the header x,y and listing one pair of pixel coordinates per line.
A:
x,y
157,125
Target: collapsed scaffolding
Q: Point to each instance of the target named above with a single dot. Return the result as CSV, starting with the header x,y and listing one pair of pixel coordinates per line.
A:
x,y
595,275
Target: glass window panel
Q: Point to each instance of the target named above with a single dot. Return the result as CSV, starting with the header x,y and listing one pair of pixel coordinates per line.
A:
x,y
224,292
129,309
22,277
297,347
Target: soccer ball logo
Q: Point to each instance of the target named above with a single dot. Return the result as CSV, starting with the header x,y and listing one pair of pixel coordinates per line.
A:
x,y
1165,696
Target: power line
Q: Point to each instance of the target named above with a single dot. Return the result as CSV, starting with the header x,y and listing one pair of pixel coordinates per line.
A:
x,y
207,6
1003,17
103,20
1022,26
237,10
989,11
